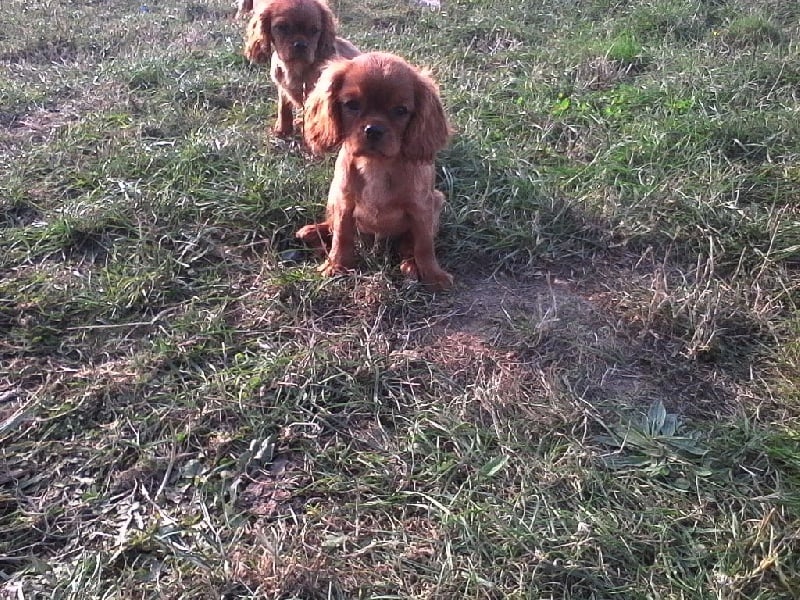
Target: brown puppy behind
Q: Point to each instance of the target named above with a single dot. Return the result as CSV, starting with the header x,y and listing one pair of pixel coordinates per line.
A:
x,y
303,36
389,121
243,8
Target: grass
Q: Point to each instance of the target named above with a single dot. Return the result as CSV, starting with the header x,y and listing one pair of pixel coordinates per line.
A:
x,y
605,406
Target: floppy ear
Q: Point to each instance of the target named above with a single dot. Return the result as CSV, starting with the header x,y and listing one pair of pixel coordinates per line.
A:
x,y
428,130
326,47
323,123
257,39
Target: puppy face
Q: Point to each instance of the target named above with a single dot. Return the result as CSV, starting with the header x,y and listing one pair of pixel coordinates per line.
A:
x,y
379,106
300,31
375,105
296,28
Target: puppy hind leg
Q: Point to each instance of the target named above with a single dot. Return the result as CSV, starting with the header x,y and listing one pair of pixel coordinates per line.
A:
x,y
405,247
317,236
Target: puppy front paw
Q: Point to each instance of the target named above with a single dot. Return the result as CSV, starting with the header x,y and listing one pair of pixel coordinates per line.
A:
x,y
329,269
282,130
437,280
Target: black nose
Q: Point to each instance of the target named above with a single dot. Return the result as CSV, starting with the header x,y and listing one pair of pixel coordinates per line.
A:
x,y
300,45
374,132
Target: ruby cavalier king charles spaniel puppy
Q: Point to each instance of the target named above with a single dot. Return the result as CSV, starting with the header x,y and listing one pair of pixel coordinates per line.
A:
x,y
298,36
388,119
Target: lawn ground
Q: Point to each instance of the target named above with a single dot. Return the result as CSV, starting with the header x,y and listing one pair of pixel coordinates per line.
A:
x,y
605,405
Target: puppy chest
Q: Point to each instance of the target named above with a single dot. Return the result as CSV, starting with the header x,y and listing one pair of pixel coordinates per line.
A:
x,y
294,82
383,196
381,215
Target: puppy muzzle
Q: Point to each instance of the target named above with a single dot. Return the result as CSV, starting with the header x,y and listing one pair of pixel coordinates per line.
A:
x,y
374,133
300,50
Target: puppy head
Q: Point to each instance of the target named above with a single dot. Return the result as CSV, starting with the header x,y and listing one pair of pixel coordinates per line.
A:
x,y
377,105
300,31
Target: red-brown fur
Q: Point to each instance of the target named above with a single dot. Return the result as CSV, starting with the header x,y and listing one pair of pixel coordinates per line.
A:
x,y
244,8
389,121
297,37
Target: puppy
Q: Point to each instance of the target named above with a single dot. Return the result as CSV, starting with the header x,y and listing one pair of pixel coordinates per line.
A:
x,y
243,8
303,36
388,119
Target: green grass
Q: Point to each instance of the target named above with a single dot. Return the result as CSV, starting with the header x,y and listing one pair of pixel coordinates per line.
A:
x,y
605,406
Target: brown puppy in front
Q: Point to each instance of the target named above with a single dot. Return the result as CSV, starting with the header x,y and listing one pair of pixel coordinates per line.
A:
x,y
303,36
389,121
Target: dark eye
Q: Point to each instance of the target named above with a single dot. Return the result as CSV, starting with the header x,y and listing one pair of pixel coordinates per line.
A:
x,y
399,111
353,105
313,31
282,28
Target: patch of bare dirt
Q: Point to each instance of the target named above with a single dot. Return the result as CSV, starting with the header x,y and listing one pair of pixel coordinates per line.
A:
x,y
543,339
38,122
